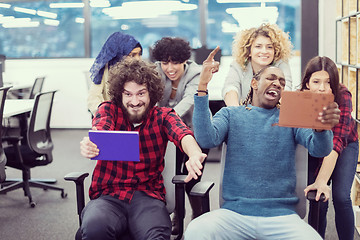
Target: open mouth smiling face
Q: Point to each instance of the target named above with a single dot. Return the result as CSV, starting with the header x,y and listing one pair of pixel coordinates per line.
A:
x,y
268,88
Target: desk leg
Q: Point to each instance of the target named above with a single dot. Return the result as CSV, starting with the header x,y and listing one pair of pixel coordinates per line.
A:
x,y
23,127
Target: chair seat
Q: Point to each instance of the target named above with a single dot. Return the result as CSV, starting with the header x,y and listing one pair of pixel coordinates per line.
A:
x,y
31,159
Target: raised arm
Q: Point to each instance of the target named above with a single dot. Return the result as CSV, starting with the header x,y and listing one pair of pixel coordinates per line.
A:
x,y
210,66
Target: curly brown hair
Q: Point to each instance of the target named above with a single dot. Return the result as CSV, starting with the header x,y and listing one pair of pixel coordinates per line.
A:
x,y
243,40
172,49
138,71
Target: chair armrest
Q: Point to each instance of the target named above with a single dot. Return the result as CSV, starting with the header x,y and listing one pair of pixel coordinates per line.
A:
x,y
12,139
77,177
312,194
201,189
179,179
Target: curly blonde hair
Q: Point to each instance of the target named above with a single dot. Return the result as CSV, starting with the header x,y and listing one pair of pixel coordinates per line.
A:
x,y
243,40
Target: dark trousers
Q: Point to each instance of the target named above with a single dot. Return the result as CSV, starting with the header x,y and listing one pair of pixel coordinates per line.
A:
x,y
110,218
341,180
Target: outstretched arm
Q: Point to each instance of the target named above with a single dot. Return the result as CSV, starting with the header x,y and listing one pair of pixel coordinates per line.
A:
x,y
323,177
196,157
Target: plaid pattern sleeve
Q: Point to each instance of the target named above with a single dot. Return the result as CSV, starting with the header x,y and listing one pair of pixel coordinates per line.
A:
x,y
121,179
345,130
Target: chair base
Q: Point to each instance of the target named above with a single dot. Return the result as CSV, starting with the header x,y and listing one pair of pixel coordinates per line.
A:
x,y
41,180
8,186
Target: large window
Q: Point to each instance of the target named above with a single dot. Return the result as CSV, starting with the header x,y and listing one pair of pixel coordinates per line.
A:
x,y
35,30
45,29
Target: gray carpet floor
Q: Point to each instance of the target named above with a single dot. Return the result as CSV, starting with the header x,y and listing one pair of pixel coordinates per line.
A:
x,y
55,218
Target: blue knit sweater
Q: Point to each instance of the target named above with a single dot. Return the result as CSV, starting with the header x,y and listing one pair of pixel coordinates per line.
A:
x,y
259,175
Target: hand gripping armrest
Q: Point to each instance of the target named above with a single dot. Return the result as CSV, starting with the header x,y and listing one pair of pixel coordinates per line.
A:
x,y
312,194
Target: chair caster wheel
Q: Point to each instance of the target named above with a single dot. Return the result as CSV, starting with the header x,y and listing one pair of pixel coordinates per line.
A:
x,y
63,195
32,204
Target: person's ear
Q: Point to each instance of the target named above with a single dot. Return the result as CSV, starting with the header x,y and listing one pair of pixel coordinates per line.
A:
x,y
254,84
307,85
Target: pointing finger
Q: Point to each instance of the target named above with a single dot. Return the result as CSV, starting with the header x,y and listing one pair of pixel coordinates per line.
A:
x,y
212,54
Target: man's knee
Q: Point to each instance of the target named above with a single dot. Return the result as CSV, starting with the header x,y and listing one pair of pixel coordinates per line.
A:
x,y
200,228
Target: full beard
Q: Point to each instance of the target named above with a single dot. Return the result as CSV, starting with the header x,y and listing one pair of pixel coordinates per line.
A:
x,y
135,118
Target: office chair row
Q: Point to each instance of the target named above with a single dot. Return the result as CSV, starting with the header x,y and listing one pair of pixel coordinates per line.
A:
x,y
33,150
175,188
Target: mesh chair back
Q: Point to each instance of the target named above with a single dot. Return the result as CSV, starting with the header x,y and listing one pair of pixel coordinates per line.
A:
x,y
168,173
37,87
301,165
39,138
3,92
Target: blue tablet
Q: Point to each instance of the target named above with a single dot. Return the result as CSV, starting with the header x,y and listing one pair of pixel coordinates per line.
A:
x,y
116,145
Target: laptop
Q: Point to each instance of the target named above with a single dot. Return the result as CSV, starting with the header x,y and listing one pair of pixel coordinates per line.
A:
x,y
300,109
116,145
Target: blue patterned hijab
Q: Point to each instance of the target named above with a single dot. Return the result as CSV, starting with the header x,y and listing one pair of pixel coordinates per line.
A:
x,y
115,48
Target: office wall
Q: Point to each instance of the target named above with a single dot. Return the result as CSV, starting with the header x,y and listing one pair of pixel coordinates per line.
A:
x,y
65,75
327,37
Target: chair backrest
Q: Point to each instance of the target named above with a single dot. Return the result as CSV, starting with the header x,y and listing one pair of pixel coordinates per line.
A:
x,y
39,137
301,165
37,87
168,173
200,54
3,92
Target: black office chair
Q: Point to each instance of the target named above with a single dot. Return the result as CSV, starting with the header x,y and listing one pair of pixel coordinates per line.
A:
x,y
174,185
202,189
3,92
200,54
37,87
37,151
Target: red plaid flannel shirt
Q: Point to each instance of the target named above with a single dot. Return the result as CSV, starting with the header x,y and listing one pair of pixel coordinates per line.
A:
x,y
345,131
121,179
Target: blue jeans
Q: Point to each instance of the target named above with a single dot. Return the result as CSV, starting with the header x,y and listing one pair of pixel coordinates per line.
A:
x,y
223,224
342,179
110,218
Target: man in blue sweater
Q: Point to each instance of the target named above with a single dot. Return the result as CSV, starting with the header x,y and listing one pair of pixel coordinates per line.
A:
x,y
259,177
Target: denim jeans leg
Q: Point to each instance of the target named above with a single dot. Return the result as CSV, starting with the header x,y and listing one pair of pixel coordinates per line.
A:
x,y
342,179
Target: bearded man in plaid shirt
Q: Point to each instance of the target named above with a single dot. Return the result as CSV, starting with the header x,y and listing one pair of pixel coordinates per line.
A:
x,y
129,197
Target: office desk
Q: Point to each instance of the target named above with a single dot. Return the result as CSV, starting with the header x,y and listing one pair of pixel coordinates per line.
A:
x,y
19,108
17,90
15,107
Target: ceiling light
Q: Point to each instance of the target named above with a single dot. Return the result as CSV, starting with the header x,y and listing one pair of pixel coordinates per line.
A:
x,y
47,14
140,9
79,20
246,1
100,3
51,22
4,5
20,24
248,17
66,5
25,10
11,19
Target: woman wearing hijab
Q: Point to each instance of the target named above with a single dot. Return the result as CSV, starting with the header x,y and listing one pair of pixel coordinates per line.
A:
x,y
116,47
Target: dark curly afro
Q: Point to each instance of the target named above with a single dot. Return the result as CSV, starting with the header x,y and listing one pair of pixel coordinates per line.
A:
x,y
140,72
171,49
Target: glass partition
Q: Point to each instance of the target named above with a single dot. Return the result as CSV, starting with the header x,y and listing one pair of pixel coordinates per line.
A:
x,y
61,29
35,30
